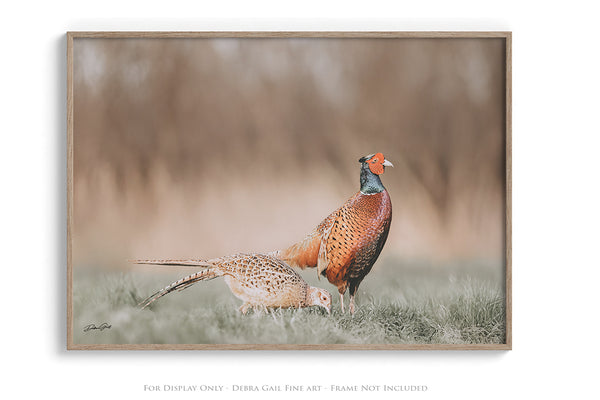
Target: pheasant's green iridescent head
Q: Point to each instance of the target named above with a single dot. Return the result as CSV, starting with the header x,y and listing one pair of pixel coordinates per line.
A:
x,y
372,166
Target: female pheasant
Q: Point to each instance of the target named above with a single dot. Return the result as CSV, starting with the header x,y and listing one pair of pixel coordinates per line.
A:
x,y
261,281
346,244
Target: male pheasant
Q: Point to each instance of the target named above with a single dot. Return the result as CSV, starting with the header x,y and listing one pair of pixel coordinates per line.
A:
x,y
261,281
346,244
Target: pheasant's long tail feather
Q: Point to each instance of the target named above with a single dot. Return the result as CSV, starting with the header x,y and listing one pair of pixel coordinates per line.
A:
x,y
181,263
181,284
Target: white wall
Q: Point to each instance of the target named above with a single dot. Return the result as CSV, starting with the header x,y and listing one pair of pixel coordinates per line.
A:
x,y
555,209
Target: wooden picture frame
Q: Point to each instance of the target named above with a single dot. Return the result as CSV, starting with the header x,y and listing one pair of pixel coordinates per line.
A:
x,y
95,328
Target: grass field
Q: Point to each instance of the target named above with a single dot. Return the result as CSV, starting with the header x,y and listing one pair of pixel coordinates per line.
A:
x,y
398,302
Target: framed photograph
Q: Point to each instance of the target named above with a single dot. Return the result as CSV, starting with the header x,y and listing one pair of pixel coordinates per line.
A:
x,y
310,190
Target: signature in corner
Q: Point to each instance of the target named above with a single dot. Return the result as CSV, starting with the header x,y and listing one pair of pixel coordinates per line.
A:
x,y
102,327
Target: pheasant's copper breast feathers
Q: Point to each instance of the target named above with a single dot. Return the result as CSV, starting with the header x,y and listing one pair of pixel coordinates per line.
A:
x,y
357,236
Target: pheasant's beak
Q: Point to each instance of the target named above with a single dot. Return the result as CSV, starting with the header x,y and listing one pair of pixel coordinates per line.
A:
x,y
386,163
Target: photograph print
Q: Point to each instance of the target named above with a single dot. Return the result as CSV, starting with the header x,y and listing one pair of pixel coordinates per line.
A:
x,y
307,190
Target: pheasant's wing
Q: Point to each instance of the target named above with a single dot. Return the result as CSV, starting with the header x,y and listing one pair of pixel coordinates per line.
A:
x,y
341,247
323,261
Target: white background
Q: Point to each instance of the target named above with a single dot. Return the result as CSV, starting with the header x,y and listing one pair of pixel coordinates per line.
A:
x,y
555,207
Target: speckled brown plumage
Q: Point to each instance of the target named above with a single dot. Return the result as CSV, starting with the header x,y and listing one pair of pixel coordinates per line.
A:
x,y
261,281
346,244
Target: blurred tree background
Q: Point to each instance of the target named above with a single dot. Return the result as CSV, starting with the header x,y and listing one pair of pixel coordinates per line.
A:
x,y
208,147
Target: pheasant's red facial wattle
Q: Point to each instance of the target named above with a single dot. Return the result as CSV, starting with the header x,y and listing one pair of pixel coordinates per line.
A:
x,y
376,164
